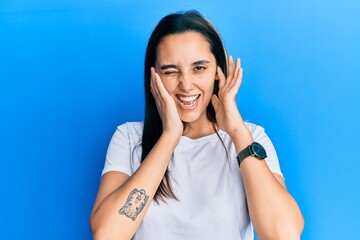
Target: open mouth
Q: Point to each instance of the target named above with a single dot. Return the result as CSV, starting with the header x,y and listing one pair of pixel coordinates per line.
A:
x,y
187,102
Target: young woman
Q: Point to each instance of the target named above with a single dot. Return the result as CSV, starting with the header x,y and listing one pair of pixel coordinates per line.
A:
x,y
193,169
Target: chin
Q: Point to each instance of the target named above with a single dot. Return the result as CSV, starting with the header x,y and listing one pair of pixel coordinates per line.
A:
x,y
189,117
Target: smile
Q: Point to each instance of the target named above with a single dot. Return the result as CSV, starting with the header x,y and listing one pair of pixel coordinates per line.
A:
x,y
187,102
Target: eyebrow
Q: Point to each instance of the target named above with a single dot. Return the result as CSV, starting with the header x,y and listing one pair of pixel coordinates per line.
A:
x,y
164,67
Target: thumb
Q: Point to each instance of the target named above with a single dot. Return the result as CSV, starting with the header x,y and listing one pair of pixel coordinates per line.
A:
x,y
215,102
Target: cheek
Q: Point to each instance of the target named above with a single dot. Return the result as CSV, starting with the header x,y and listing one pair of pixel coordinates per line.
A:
x,y
169,84
208,84
210,90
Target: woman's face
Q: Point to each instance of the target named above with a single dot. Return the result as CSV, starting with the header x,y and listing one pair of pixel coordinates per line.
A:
x,y
187,69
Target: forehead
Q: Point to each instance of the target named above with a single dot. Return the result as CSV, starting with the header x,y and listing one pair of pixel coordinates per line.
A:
x,y
184,48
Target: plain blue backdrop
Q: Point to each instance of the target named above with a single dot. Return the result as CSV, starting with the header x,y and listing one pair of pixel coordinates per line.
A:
x,y
71,71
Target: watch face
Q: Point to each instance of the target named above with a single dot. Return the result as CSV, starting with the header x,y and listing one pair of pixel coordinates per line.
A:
x,y
258,150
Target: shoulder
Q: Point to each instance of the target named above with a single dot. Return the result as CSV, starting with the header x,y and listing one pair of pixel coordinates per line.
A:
x,y
254,128
259,135
131,127
130,130
257,132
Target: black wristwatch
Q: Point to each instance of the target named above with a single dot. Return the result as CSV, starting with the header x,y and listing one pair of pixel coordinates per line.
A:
x,y
255,149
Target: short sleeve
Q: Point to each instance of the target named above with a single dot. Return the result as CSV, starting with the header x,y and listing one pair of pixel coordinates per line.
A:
x,y
259,135
118,156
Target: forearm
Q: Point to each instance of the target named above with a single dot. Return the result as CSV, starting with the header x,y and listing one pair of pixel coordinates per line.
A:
x,y
274,212
107,221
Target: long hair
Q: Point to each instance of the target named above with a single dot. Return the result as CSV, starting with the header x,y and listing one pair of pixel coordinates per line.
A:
x,y
190,21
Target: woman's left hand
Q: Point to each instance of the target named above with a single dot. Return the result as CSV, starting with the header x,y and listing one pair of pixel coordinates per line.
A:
x,y
227,113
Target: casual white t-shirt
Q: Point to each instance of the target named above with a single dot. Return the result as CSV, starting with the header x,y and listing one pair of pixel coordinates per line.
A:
x,y
206,180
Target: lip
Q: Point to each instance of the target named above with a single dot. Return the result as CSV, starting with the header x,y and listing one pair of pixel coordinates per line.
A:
x,y
192,102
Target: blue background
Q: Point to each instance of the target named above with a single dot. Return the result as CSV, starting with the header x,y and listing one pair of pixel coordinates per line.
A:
x,y
71,71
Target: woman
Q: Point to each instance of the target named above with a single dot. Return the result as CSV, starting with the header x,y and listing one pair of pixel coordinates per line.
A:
x,y
192,169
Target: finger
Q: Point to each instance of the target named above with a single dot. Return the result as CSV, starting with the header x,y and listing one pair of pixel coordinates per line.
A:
x,y
215,102
230,70
239,79
161,90
237,68
151,77
222,78
239,76
152,82
236,74
155,92
154,86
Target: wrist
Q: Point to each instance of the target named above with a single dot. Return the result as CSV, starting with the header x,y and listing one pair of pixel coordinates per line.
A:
x,y
241,138
239,129
237,125
171,136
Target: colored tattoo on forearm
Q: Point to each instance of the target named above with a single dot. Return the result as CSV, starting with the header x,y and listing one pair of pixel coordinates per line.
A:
x,y
134,204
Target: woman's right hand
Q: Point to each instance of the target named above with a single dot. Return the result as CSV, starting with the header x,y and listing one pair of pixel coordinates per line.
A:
x,y
166,106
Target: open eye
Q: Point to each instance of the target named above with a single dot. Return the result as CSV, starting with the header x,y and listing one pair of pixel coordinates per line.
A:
x,y
199,68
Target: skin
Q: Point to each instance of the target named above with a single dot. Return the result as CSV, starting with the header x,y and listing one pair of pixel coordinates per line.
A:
x,y
185,66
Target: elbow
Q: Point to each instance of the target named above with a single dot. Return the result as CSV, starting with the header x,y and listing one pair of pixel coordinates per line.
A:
x,y
290,230
298,224
93,227
96,229
101,229
102,234
291,225
285,233
288,234
283,229
97,233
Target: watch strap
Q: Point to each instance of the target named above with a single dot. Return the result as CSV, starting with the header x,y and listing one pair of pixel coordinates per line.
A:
x,y
244,154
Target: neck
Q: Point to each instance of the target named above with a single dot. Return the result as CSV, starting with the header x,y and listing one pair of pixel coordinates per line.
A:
x,y
196,130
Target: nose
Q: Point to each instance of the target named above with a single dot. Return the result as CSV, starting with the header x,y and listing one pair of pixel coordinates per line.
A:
x,y
186,82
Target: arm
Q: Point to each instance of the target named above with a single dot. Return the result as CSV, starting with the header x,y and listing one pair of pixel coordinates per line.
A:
x,y
106,219
273,211
122,201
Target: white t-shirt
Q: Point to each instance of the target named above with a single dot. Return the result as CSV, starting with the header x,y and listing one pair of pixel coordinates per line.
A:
x,y
208,184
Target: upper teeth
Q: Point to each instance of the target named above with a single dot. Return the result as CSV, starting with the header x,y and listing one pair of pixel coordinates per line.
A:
x,y
187,98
